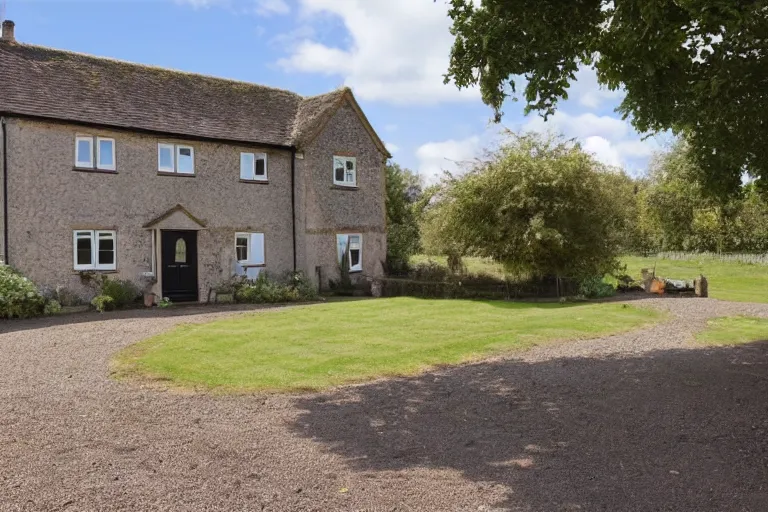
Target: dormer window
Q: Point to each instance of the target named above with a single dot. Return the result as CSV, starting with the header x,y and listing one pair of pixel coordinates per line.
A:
x,y
345,171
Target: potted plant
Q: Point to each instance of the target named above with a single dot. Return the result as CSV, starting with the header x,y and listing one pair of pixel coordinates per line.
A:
x,y
225,292
149,296
149,299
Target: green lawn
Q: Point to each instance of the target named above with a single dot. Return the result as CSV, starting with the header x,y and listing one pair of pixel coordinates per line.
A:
x,y
733,330
475,266
739,282
314,347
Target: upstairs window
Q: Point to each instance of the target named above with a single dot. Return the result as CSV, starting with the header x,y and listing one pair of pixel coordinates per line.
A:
x,y
84,152
95,250
94,153
351,247
249,249
345,171
253,166
176,159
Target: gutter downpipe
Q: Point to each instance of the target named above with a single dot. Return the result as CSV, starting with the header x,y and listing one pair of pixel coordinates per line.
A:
x,y
5,189
293,203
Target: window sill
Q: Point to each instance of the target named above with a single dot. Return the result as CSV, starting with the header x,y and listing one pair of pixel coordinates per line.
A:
x,y
97,171
177,174
252,265
356,271
255,182
345,187
94,271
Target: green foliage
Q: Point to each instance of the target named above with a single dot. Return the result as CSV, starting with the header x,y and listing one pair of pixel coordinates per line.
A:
x,y
122,291
343,285
628,195
305,288
19,297
682,217
403,193
165,302
693,67
103,303
264,290
52,307
67,297
538,206
429,270
595,288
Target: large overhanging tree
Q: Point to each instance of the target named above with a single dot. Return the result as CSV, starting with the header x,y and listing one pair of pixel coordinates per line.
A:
x,y
695,67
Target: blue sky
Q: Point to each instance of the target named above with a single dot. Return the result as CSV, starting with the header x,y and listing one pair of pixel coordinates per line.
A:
x,y
392,53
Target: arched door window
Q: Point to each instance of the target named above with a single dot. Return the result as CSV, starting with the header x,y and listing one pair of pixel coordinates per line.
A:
x,y
181,251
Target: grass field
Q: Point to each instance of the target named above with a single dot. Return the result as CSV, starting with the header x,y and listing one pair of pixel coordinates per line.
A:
x,y
739,282
733,330
475,266
314,347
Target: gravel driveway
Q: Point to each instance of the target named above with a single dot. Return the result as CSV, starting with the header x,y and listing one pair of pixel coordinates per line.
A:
x,y
641,421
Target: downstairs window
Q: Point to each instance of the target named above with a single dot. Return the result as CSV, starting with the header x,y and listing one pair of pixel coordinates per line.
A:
x,y
249,249
95,250
351,246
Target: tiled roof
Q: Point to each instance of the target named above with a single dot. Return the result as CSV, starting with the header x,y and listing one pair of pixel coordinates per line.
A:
x,y
45,82
312,114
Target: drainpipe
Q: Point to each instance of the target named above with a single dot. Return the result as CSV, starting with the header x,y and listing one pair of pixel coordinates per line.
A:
x,y
293,203
5,190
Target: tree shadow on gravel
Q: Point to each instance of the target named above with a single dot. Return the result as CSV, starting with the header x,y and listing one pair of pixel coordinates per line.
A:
x,y
668,430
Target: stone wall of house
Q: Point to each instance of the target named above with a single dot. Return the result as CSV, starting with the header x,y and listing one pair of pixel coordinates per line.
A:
x,y
48,199
2,201
326,210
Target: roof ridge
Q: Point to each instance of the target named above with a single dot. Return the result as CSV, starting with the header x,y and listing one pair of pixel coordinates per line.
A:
x,y
343,88
152,67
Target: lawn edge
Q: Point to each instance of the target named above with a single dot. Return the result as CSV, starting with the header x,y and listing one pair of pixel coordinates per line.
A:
x,y
704,343
124,366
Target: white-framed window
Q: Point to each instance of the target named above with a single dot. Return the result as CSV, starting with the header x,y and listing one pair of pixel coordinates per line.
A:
x,y
345,171
84,151
351,245
165,160
175,158
249,249
253,166
95,250
94,152
105,153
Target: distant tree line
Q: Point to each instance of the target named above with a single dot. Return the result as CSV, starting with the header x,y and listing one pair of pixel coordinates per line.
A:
x,y
542,206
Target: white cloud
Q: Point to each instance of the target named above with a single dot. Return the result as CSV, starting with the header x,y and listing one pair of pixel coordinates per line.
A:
x,y
581,126
613,141
259,7
293,37
392,148
448,155
269,7
395,51
589,93
603,150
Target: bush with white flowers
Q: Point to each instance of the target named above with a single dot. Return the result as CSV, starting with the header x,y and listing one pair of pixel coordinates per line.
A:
x,y
19,297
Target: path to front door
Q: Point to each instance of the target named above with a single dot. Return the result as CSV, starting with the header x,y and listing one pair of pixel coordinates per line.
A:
x,y
179,262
